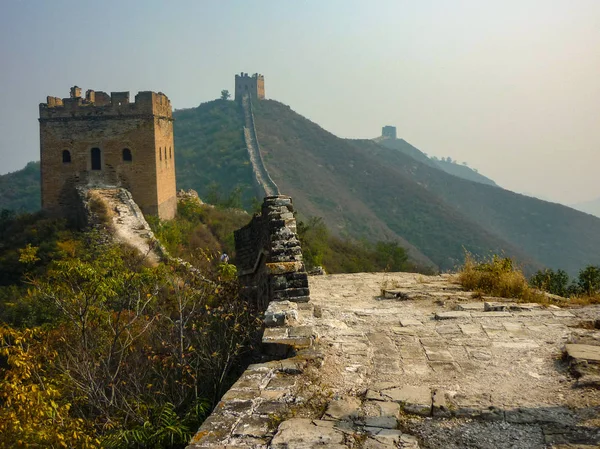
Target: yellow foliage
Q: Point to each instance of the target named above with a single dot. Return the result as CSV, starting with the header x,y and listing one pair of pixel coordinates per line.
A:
x,y
498,277
32,410
28,255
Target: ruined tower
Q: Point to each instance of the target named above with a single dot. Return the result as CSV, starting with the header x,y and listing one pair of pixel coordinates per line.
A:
x,y
106,141
252,85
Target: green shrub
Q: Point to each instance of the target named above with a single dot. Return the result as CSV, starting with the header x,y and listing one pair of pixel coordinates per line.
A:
x,y
555,282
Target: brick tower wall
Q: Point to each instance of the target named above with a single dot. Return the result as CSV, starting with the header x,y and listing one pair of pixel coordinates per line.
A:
x,y
252,85
111,124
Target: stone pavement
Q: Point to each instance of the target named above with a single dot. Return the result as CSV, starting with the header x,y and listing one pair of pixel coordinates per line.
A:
x,y
427,367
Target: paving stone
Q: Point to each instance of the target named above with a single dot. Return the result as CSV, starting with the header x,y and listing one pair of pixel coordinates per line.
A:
x,y
409,330
479,354
415,399
416,369
301,432
345,409
445,367
452,315
406,322
374,395
471,307
448,329
562,314
471,329
589,353
433,342
515,344
438,354
386,422
388,408
491,314
533,313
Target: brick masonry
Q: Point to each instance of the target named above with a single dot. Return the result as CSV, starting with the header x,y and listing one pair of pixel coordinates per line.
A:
x,y
269,256
71,129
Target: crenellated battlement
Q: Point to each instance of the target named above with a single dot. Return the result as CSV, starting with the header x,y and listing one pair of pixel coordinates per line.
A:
x,y
254,86
100,104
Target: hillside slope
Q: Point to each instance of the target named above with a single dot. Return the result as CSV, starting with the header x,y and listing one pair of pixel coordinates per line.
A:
x,y
363,188
20,190
211,155
589,207
462,171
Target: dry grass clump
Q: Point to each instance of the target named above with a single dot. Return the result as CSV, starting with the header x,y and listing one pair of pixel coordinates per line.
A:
x,y
497,277
99,208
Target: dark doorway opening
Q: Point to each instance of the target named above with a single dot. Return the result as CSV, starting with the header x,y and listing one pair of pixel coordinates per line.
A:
x,y
96,159
66,156
127,155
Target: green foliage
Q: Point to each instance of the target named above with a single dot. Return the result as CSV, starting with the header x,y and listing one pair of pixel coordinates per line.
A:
x,y
25,233
225,95
164,429
129,355
588,282
336,255
200,230
211,153
555,282
584,289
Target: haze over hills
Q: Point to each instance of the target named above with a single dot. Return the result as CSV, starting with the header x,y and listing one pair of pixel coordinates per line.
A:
x,y
589,207
449,166
376,190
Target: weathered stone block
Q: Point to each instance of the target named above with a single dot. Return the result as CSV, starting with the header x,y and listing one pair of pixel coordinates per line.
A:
x,y
282,313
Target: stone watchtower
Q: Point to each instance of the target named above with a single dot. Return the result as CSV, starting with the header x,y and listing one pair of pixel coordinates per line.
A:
x,y
388,132
252,85
106,141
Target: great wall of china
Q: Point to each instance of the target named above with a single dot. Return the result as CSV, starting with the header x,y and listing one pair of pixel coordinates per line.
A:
x,y
266,186
374,361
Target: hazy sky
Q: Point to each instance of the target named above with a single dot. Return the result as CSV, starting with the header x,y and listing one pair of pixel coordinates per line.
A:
x,y
511,87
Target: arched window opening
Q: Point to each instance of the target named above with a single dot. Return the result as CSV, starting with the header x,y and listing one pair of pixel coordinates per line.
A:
x,y
160,153
127,155
170,152
96,159
66,154
165,153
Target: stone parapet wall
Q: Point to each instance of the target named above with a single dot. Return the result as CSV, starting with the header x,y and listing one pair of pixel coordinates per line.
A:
x,y
269,256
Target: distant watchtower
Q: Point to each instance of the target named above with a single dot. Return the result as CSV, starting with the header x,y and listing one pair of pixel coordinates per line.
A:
x,y
389,132
106,141
252,85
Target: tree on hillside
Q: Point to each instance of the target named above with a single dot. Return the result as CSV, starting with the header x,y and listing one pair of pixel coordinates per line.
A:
x,y
589,280
225,95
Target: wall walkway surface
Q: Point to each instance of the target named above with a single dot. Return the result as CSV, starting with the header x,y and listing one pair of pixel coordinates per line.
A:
x,y
266,185
422,365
